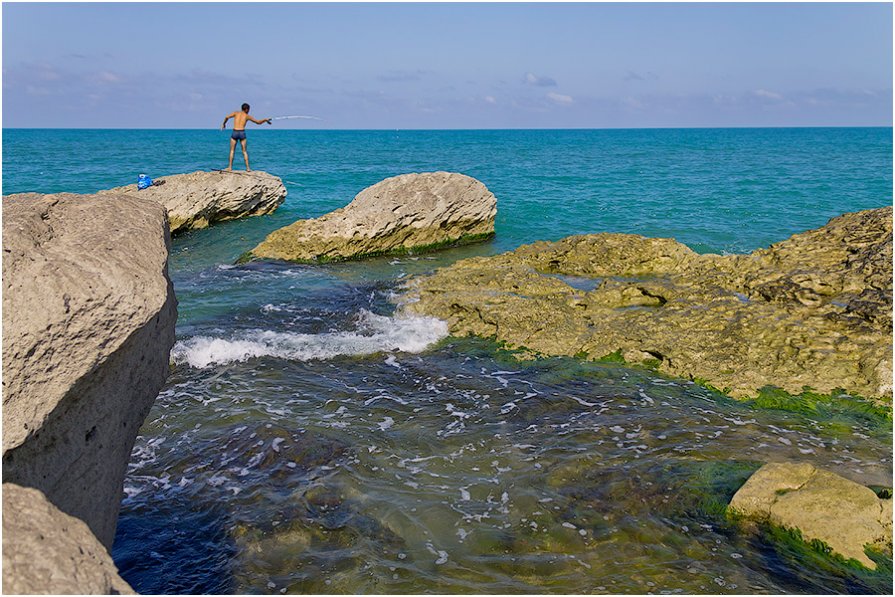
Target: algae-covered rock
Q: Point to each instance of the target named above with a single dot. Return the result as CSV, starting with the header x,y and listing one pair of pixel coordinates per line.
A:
x,y
811,311
48,552
88,324
200,199
820,505
411,212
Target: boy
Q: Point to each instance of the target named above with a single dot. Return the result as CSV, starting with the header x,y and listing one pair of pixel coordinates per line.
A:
x,y
239,133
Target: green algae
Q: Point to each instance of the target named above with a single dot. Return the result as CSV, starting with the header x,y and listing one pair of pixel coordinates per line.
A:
x,y
417,250
789,545
612,357
810,402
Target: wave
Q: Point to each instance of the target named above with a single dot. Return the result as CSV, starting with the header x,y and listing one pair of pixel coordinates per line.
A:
x,y
375,333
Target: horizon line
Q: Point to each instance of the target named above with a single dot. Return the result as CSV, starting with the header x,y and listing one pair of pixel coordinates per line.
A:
x,y
380,129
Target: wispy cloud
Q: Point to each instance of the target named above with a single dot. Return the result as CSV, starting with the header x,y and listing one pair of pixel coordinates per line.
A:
x,y
558,98
539,81
634,76
490,99
764,93
402,76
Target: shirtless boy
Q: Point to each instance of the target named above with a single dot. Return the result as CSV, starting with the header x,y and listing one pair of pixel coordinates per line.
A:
x,y
239,133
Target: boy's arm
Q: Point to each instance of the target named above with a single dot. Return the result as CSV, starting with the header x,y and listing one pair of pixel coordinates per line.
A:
x,y
226,118
262,121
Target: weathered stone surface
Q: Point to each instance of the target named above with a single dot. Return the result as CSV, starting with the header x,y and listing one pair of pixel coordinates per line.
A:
x,y
400,214
821,505
814,310
88,322
48,552
200,199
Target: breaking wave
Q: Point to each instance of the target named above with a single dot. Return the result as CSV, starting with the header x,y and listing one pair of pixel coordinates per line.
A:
x,y
374,333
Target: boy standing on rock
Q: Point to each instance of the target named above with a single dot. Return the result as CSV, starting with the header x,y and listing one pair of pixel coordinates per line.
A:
x,y
239,133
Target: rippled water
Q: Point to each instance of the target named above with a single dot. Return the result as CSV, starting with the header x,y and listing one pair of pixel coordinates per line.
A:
x,y
308,440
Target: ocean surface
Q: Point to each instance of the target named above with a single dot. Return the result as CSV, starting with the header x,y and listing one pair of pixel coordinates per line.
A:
x,y
308,440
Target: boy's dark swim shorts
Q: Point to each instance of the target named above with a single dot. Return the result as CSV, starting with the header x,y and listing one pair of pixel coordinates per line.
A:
x,y
238,135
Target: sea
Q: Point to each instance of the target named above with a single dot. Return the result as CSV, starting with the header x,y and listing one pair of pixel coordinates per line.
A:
x,y
309,440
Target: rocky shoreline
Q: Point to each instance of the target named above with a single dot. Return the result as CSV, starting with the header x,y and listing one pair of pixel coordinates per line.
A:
x,y
89,314
813,311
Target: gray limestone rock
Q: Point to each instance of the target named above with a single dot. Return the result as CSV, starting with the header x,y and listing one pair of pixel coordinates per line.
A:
x,y
88,324
200,199
48,552
407,213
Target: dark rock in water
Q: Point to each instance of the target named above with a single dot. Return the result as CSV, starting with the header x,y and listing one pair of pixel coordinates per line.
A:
x,y
280,455
811,311
311,545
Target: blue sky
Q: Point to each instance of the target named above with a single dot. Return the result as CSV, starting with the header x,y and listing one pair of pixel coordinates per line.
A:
x,y
448,66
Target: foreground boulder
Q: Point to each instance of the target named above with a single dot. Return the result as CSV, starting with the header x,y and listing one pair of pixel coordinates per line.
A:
x,y
820,505
200,199
48,552
88,322
411,212
812,311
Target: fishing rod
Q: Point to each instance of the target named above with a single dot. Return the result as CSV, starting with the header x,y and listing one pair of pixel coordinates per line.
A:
x,y
295,118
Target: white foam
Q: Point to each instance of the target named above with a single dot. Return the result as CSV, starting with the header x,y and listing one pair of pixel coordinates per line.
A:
x,y
375,333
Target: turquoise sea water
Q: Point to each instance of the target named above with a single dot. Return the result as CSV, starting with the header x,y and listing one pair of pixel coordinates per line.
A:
x,y
310,441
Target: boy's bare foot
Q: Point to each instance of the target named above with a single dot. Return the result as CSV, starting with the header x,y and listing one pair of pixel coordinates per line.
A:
x,y
248,169
228,170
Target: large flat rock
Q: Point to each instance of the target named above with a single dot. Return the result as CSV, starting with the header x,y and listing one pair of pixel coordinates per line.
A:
x,y
200,199
88,324
407,213
811,311
821,505
48,552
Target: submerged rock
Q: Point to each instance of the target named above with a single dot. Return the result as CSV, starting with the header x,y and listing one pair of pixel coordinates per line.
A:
x,y
411,212
200,199
811,311
821,506
48,552
88,322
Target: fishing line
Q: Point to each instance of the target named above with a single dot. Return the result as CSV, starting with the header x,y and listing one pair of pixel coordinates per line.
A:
x,y
295,118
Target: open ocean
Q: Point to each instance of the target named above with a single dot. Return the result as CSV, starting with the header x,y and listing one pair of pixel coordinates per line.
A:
x,y
309,441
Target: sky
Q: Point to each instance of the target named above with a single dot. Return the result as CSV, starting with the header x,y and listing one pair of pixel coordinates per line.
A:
x,y
443,66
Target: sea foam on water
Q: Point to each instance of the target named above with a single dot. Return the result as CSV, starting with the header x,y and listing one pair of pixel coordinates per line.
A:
x,y
374,333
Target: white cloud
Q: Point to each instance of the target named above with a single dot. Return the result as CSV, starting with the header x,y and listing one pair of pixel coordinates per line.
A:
x,y
538,81
107,77
490,99
767,94
559,98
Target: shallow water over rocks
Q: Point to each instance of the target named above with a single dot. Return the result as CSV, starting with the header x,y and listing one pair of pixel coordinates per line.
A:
x,y
453,469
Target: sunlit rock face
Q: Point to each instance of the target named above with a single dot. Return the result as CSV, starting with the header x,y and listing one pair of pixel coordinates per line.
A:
x,y
811,311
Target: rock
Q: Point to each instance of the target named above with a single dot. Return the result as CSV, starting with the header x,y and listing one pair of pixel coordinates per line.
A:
x,y
48,552
200,199
811,311
821,505
407,213
88,322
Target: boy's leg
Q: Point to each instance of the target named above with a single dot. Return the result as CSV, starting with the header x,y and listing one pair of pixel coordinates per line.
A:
x,y
232,148
245,154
